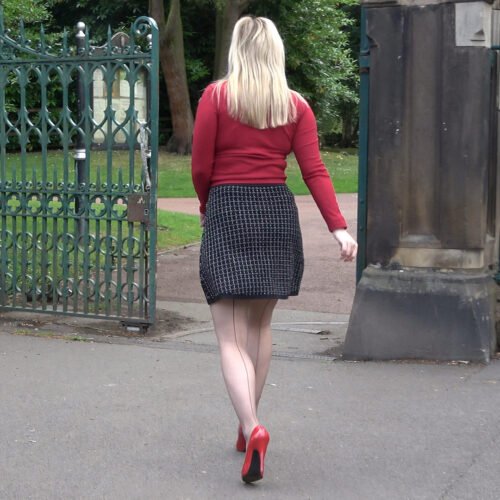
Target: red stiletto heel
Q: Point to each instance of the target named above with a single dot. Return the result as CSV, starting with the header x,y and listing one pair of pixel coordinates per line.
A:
x,y
241,444
253,467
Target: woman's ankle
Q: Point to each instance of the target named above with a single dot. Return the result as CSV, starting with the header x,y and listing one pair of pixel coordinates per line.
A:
x,y
247,429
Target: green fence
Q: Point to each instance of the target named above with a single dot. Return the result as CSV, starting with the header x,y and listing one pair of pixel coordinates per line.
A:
x,y
78,229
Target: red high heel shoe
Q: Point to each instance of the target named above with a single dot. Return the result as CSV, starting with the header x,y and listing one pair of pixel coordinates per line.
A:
x,y
241,444
253,467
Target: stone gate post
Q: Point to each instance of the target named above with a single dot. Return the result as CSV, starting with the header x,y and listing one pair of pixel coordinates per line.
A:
x,y
432,214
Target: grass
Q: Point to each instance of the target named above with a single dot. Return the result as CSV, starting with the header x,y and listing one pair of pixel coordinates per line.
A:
x,y
176,229
174,172
174,181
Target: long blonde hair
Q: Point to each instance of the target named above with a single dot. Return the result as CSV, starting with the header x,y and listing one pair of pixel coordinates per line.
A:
x,y
257,90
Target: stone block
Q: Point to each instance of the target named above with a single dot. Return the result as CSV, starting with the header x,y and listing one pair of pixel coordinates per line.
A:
x,y
422,314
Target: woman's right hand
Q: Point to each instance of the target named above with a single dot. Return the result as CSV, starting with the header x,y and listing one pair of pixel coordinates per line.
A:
x,y
202,220
348,245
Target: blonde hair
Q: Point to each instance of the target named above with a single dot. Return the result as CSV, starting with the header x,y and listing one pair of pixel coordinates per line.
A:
x,y
257,91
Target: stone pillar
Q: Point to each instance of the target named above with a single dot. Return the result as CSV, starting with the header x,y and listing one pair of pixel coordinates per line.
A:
x,y
432,226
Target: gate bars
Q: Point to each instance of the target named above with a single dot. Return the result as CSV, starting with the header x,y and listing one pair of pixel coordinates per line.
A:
x,y
77,198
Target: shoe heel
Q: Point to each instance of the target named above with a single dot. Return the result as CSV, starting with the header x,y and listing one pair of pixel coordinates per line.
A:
x,y
253,467
241,444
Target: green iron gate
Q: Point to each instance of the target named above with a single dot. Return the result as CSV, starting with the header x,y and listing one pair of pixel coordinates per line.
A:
x,y
78,173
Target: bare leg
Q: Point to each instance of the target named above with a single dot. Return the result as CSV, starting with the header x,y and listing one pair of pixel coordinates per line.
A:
x,y
230,322
259,340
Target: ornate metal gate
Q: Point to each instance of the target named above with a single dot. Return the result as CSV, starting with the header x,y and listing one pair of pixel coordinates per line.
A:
x,y
77,176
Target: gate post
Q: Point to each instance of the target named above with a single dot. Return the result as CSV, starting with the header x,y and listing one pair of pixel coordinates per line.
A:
x,y
432,226
364,77
80,150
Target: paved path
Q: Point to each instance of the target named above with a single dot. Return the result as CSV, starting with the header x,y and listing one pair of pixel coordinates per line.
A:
x,y
150,420
115,417
328,284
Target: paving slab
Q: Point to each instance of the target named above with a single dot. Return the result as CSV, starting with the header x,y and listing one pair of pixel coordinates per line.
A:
x,y
295,333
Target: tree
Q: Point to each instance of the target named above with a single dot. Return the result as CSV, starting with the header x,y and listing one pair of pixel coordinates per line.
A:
x,y
321,38
320,64
349,110
98,14
228,12
31,11
174,69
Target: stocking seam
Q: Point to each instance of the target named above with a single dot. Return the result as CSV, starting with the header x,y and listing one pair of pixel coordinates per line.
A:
x,y
244,364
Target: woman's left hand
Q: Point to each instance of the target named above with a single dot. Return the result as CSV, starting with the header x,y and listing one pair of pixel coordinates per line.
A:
x,y
202,220
348,245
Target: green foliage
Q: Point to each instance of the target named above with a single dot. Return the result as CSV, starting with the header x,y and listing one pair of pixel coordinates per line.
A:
x,y
98,15
31,11
198,22
320,62
321,40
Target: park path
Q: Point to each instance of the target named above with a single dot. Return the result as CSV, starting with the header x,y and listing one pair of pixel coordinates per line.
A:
x,y
328,284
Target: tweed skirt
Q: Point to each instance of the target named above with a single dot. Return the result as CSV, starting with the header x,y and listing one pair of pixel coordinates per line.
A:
x,y
251,245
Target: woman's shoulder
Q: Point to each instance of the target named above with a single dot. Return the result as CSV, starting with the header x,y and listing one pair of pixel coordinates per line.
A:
x,y
212,93
300,102
210,97
214,88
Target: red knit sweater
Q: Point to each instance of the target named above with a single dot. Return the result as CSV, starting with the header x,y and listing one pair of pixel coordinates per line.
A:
x,y
225,151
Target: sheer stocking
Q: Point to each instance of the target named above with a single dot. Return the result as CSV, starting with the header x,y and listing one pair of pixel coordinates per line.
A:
x,y
243,329
259,340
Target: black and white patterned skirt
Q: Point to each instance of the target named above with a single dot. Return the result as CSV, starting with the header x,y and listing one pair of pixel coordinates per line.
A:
x,y
251,245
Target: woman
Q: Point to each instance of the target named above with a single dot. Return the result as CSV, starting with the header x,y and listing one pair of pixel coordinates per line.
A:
x,y
251,250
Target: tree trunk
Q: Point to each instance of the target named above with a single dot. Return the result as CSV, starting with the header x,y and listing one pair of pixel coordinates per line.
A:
x,y
349,129
173,66
224,24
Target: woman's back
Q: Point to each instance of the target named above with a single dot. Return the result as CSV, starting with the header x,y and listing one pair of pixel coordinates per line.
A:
x,y
243,153
227,151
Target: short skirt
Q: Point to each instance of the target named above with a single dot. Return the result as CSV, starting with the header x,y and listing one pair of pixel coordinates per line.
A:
x,y
251,245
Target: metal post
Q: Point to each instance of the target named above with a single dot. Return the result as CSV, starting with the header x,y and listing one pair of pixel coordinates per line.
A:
x,y
153,166
364,69
80,151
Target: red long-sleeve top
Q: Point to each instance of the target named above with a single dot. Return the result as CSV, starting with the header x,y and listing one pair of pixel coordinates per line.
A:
x,y
226,151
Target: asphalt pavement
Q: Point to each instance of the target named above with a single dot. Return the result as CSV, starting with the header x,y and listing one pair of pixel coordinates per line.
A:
x,y
89,411
102,416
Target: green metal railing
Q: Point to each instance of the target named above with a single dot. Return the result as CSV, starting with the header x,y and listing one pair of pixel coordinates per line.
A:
x,y
78,230
364,65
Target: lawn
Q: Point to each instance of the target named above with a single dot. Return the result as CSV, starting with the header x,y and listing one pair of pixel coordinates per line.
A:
x,y
175,229
174,174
